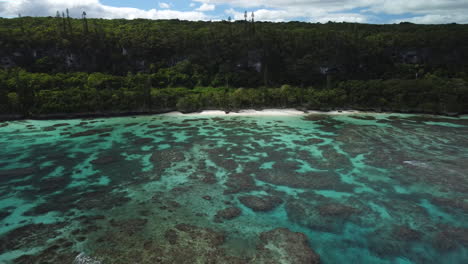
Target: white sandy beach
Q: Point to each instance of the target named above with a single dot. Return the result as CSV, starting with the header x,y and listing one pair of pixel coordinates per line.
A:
x,y
265,112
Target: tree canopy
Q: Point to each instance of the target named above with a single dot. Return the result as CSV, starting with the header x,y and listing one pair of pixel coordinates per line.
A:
x,y
59,64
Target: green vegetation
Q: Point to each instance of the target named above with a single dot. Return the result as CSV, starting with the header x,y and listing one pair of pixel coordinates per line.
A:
x,y
63,65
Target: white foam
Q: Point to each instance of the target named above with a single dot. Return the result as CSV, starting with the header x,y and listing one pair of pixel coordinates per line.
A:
x,y
83,259
416,163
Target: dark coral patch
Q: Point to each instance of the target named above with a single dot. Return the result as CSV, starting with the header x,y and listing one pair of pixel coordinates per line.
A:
x,y
336,210
143,141
50,128
130,124
101,200
457,204
6,175
52,254
49,185
325,180
260,203
5,212
240,182
129,226
106,159
328,217
29,236
405,233
280,245
450,238
61,124
363,117
91,132
227,214
317,117
164,158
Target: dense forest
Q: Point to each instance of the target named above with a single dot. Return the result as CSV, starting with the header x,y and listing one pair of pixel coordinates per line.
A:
x,y
63,65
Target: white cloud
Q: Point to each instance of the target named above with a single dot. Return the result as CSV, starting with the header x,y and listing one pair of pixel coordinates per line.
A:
x,y
206,7
436,19
93,8
365,11
164,5
418,6
422,11
342,17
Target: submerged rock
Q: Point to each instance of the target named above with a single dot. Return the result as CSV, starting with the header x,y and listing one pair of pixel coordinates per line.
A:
x,y
363,117
333,159
171,236
130,124
308,142
50,128
287,176
6,212
406,233
209,178
186,244
329,217
129,226
317,117
183,243
164,158
227,214
103,200
260,204
194,120
336,210
240,182
392,241
458,204
283,246
53,184
450,238
207,197
29,236
91,132
105,160
51,254
142,141
16,173
61,124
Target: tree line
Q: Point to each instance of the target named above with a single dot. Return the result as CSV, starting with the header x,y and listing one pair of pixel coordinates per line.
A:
x,y
42,93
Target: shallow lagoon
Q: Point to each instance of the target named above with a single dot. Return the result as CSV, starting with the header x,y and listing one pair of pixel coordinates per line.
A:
x,y
363,188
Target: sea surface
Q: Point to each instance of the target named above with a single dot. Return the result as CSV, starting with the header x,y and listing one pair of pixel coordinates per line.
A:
x,y
363,188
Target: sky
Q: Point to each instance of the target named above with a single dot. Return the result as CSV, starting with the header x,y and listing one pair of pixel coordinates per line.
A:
x,y
361,11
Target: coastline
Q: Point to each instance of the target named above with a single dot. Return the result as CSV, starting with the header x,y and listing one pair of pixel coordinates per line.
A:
x,y
271,112
218,112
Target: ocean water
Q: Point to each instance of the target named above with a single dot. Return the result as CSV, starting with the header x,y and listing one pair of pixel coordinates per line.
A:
x,y
363,188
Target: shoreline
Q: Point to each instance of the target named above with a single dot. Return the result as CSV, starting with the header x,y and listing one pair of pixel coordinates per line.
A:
x,y
240,112
270,112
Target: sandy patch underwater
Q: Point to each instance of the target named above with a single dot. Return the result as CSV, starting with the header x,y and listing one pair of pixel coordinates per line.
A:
x,y
364,188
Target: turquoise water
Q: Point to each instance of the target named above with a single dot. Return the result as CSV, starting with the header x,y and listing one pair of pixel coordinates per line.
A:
x,y
363,188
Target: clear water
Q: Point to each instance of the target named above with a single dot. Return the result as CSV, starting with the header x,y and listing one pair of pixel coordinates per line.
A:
x,y
379,188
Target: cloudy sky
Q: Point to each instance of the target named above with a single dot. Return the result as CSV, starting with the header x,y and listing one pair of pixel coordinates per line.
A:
x,y
363,11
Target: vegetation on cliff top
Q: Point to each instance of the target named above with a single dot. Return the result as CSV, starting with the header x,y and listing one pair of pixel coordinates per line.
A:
x,y
64,65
